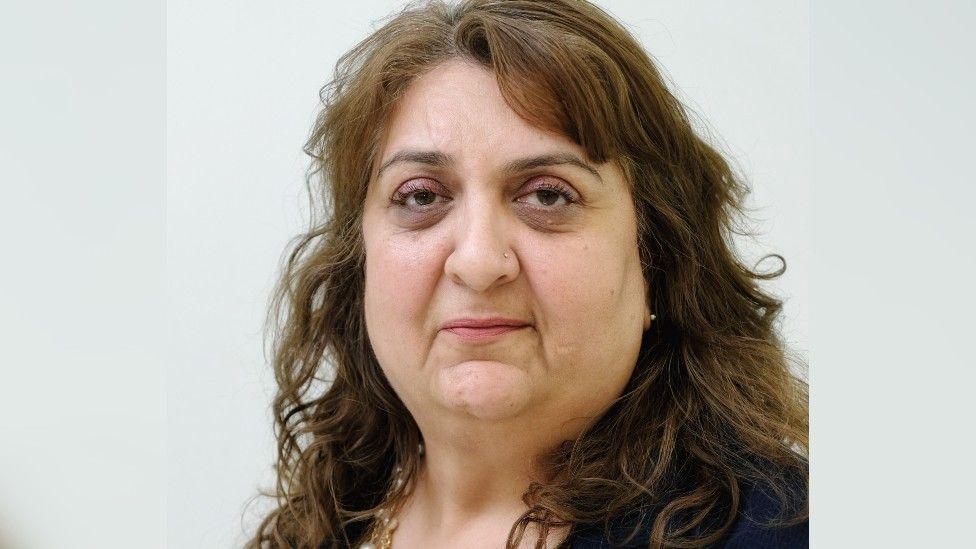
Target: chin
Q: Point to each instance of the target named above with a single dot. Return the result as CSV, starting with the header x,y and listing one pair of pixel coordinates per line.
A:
x,y
484,389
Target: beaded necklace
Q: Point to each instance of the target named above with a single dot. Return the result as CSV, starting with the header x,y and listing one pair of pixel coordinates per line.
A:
x,y
381,532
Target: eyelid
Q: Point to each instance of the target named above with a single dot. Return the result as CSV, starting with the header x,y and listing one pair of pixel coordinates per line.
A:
x,y
558,184
410,186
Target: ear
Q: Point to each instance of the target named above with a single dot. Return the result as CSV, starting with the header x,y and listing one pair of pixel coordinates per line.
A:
x,y
648,315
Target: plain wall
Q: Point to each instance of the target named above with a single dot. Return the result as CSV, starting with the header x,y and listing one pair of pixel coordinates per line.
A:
x,y
82,267
893,265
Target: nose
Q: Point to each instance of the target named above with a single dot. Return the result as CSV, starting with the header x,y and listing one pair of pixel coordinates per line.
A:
x,y
481,244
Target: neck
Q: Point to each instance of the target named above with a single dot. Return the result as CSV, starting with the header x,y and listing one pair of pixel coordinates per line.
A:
x,y
458,483
472,480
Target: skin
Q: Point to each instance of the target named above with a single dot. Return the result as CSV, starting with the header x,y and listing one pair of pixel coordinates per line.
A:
x,y
487,410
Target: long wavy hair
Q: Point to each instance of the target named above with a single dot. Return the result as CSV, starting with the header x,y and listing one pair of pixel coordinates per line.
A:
x,y
716,402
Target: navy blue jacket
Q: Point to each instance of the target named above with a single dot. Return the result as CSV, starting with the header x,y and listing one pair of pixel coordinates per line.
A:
x,y
757,506
747,532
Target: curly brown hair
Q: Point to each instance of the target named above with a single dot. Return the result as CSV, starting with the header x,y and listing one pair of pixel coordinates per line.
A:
x,y
716,401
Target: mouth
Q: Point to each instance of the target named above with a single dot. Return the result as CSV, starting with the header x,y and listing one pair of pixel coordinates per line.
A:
x,y
483,333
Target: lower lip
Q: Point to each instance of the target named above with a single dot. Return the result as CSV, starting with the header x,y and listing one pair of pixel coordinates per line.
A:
x,y
482,334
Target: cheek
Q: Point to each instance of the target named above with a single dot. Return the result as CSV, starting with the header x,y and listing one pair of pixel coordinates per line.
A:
x,y
397,290
591,309
579,285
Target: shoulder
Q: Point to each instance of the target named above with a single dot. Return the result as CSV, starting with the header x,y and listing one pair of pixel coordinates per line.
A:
x,y
751,528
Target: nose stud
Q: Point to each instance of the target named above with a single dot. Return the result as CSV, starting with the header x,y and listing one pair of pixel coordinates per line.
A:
x,y
506,255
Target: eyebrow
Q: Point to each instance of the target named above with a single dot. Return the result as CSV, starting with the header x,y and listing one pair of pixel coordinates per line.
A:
x,y
441,160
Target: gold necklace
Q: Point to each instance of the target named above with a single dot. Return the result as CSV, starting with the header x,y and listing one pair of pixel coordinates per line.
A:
x,y
381,534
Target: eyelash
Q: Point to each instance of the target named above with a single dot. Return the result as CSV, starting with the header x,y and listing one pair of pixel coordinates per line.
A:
x,y
401,196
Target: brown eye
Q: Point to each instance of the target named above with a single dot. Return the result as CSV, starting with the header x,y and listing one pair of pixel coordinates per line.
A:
x,y
547,196
415,195
424,198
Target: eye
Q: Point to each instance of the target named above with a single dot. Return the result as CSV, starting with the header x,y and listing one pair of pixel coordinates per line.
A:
x,y
422,197
547,195
421,194
415,195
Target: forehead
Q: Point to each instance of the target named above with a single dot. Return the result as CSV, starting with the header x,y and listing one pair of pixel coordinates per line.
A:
x,y
458,108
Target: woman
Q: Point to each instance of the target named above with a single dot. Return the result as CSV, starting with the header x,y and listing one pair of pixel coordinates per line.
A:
x,y
520,322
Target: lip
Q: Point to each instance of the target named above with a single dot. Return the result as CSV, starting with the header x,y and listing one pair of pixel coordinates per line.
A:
x,y
482,329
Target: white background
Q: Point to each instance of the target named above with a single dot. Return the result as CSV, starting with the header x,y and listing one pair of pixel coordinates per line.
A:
x,y
137,257
82,258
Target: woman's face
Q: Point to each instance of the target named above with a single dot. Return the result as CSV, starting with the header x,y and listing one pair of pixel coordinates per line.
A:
x,y
465,182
